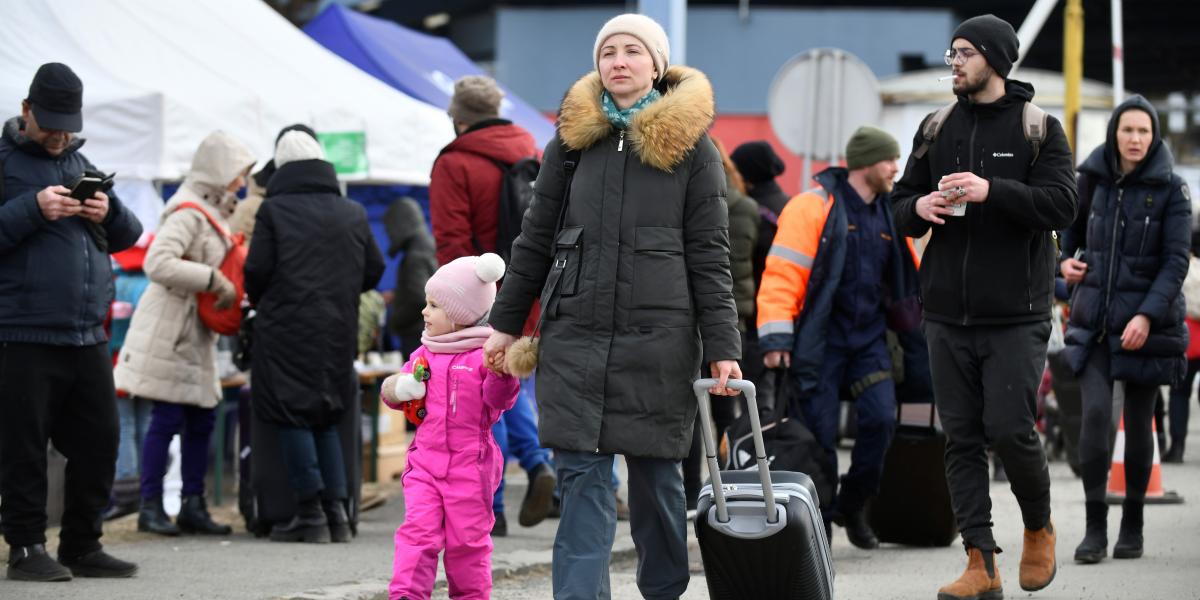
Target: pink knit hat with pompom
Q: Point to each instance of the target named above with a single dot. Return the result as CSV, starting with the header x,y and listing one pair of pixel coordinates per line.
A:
x,y
466,287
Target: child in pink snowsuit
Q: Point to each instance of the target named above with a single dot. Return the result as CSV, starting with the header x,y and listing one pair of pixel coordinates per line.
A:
x,y
454,464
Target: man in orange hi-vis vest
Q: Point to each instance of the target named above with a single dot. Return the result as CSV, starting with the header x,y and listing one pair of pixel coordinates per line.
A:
x,y
836,279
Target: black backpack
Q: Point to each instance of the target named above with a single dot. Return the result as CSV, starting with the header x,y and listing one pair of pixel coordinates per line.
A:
x,y
516,194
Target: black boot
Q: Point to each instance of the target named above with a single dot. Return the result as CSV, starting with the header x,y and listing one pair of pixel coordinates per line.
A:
x,y
1094,546
500,528
339,521
31,563
1175,454
194,518
97,563
153,519
539,496
309,525
124,500
858,531
1129,540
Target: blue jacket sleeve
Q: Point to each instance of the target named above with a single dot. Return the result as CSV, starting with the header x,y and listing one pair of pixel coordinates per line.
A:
x,y
121,225
20,217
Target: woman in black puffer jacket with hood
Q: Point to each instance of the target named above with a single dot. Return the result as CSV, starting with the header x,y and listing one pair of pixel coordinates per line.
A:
x,y
1127,309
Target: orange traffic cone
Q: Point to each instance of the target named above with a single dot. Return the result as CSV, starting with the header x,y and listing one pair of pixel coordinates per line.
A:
x,y
1116,475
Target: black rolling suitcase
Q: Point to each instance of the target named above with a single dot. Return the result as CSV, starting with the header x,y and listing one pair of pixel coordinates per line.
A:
x,y
761,534
913,506
270,499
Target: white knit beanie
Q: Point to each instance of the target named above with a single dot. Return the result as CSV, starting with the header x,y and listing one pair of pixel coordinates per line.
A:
x,y
297,145
643,28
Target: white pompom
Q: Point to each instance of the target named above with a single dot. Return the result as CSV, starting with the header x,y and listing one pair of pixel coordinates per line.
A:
x,y
489,268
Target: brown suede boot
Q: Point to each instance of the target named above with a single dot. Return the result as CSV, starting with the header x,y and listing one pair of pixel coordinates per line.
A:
x,y
1038,565
981,580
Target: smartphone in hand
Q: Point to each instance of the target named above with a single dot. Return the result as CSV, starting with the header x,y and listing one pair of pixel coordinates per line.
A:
x,y
86,186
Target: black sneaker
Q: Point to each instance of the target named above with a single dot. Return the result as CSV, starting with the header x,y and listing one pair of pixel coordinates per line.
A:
x,y
31,563
98,563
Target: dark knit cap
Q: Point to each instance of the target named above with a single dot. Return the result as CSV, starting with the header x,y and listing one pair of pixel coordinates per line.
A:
x,y
868,146
994,38
757,162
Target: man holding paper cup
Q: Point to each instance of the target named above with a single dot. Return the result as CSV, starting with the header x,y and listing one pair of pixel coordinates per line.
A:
x,y
993,194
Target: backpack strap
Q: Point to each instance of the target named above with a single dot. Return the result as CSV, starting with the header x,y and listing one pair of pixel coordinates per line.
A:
x,y
933,125
1033,123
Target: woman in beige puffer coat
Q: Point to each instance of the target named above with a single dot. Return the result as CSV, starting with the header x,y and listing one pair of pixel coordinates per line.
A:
x,y
169,354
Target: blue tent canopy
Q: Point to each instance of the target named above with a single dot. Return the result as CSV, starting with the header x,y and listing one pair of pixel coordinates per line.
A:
x,y
422,66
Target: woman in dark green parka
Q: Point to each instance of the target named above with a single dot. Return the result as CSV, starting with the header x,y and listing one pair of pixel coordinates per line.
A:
x,y
643,300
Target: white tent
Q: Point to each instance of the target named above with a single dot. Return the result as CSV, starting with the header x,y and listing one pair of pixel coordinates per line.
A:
x,y
159,75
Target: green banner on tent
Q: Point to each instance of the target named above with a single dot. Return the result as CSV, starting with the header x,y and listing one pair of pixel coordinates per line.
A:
x,y
347,150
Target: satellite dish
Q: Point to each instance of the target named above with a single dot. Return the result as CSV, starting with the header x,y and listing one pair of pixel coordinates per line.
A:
x,y
818,99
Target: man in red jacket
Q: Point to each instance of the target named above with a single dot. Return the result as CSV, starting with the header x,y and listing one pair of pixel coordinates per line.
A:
x,y
464,199
464,189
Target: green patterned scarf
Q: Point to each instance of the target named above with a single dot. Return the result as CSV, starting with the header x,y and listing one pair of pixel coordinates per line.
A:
x,y
621,118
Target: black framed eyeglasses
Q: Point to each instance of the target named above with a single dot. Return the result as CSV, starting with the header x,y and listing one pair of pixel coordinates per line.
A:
x,y
959,55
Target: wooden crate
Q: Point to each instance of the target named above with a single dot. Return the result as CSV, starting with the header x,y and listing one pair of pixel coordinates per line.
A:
x,y
392,426
391,462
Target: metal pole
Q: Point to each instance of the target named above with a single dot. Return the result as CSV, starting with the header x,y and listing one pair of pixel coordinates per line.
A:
x,y
835,123
1030,27
810,118
1072,66
672,15
1118,53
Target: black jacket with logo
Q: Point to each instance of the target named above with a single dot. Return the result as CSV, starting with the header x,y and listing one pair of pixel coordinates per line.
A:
x,y
996,264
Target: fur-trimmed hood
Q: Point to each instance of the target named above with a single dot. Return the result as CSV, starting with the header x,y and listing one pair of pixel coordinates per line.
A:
x,y
662,134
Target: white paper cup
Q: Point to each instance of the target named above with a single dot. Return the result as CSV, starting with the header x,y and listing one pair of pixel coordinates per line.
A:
x,y
959,209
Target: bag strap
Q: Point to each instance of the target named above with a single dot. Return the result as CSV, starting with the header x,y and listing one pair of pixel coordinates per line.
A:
x,y
933,125
570,162
194,206
1033,123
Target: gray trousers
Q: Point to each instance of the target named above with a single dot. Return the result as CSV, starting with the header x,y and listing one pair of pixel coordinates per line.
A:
x,y
588,525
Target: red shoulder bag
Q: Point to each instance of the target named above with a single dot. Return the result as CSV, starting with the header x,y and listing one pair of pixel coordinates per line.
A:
x,y
223,321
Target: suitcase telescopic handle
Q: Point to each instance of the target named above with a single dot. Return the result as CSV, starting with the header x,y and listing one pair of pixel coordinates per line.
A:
x,y
710,447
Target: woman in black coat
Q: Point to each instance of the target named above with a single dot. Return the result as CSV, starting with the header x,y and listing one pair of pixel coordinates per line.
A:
x,y
313,254
643,300
1127,309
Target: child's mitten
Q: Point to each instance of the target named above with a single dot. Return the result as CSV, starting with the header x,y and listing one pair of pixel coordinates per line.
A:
x,y
400,388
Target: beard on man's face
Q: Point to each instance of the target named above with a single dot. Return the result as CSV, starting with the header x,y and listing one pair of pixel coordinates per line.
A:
x,y
879,183
974,85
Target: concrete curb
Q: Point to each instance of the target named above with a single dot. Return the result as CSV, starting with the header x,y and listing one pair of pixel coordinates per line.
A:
x,y
514,563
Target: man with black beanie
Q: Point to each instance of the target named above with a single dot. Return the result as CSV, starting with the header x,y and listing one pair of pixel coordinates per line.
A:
x,y
56,379
993,195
